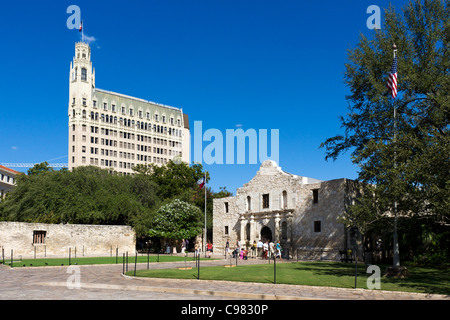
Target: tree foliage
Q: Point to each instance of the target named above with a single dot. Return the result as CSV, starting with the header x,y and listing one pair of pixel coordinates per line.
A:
x,y
90,195
414,168
85,195
176,220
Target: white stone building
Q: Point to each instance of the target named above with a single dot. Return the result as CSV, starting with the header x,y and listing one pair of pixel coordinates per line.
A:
x,y
116,131
7,180
299,212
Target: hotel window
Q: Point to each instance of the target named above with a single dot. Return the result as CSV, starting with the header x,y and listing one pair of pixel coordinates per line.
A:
x,y
94,103
226,207
113,108
83,74
140,114
226,230
105,106
265,200
163,119
131,112
156,117
84,101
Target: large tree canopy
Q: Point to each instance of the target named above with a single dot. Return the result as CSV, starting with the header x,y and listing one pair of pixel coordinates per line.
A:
x,y
412,169
415,168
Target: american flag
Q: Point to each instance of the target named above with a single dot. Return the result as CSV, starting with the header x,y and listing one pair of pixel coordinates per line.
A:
x,y
392,81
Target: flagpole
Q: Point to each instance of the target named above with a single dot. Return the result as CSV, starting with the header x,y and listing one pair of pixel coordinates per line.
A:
x,y
396,257
206,230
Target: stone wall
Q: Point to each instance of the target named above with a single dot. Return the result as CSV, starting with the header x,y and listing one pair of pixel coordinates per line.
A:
x,y
87,240
303,226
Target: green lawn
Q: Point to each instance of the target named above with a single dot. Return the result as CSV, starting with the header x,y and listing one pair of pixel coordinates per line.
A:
x,y
332,274
93,260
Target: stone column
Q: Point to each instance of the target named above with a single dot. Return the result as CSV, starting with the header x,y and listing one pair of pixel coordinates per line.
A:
x,y
277,231
252,229
289,243
242,231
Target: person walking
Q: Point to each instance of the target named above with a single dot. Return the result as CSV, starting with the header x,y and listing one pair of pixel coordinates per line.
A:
x,y
259,247
209,248
183,247
265,250
271,251
278,248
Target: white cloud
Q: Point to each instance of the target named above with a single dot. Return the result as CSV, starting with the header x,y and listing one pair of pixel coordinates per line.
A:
x,y
88,39
239,125
14,147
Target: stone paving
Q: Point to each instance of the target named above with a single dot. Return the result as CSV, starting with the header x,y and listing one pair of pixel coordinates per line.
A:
x,y
106,282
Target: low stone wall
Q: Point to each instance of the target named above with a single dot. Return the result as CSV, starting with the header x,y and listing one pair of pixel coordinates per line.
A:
x,y
28,239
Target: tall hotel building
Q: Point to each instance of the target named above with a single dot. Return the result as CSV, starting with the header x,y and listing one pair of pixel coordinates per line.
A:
x,y
116,131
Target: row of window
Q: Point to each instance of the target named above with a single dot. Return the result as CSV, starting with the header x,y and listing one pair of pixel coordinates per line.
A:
x,y
127,135
266,200
130,113
6,178
120,164
123,122
317,228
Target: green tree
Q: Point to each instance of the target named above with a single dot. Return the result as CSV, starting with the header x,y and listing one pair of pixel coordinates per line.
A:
x,y
413,170
85,195
40,168
176,220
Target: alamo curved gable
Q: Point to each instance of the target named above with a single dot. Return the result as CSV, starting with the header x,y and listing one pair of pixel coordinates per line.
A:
x,y
298,211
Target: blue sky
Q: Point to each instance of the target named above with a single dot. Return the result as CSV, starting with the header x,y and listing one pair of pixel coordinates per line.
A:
x,y
262,64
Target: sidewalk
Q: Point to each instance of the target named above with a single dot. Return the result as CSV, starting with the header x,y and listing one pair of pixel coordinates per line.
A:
x,y
106,282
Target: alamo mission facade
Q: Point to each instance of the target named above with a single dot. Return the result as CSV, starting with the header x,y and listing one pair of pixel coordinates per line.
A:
x,y
300,212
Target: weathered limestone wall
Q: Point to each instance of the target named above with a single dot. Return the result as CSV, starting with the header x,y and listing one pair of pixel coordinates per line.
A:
x,y
326,243
291,215
90,240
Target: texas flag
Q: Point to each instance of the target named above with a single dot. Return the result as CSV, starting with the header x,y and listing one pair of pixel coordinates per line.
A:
x,y
201,182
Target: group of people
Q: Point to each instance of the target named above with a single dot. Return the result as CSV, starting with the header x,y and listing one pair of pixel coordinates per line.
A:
x,y
197,248
265,250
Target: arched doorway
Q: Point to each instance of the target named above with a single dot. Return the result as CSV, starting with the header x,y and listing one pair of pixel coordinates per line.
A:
x,y
266,234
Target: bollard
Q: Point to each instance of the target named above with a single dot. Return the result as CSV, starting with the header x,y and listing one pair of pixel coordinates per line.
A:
x,y
123,264
198,268
274,270
135,262
69,256
117,252
11,258
148,258
127,261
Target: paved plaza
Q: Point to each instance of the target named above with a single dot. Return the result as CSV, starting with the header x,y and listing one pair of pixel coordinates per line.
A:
x,y
106,282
